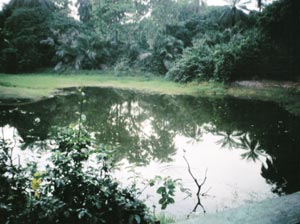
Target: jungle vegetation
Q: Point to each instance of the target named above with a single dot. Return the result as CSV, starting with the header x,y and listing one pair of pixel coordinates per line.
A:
x,y
182,40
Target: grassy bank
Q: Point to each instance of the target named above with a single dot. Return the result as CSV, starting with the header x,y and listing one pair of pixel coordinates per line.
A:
x,y
37,86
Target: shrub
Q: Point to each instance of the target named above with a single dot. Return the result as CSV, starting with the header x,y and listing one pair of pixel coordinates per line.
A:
x,y
220,57
224,58
195,63
66,191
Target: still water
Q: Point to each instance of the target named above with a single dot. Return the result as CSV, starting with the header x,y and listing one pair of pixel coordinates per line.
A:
x,y
248,150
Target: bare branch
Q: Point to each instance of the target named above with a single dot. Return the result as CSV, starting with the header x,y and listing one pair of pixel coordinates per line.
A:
x,y
198,194
189,170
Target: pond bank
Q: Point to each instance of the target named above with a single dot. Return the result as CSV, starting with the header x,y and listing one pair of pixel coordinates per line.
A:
x,y
285,209
32,87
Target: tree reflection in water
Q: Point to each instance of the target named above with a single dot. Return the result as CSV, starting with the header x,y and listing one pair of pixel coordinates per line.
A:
x,y
142,127
230,139
253,148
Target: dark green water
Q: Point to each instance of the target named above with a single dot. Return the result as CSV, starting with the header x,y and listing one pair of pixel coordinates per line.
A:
x,y
251,149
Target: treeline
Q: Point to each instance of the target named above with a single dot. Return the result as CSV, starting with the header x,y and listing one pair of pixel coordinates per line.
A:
x,y
183,40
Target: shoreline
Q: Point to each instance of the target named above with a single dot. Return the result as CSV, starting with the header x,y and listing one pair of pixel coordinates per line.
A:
x,y
284,209
37,86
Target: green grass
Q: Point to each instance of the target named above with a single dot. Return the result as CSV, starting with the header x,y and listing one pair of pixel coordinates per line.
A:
x,y
45,83
37,86
165,219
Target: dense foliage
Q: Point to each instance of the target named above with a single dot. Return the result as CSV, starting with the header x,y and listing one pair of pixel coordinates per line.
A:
x,y
67,190
185,40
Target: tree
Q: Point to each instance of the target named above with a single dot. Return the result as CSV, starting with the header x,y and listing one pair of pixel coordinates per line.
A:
x,y
235,11
23,30
109,17
280,21
84,10
44,4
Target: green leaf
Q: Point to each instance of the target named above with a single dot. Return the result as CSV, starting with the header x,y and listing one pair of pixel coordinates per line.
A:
x,y
171,201
161,190
161,201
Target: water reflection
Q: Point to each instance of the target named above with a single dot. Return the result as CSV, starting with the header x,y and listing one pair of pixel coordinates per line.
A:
x,y
145,128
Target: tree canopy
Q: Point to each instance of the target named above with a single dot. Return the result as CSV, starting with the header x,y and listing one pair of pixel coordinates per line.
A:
x,y
183,40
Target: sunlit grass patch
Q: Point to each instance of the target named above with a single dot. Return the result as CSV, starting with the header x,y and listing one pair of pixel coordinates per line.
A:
x,y
37,86
15,93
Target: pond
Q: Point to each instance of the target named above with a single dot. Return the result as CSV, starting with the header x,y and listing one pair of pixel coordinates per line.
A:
x,y
248,150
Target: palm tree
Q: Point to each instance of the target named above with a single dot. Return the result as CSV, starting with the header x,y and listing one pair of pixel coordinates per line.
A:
x,y
235,11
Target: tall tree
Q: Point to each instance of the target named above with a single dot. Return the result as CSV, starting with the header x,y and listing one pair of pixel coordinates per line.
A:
x,y
235,11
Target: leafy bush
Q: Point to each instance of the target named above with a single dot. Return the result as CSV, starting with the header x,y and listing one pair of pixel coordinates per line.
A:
x,y
195,63
67,191
13,183
220,57
224,58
